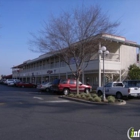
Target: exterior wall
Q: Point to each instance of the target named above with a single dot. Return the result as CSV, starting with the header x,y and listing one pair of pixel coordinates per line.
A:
x,y
47,67
128,56
111,65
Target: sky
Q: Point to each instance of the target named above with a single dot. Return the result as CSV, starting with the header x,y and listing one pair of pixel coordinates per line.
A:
x,y
20,18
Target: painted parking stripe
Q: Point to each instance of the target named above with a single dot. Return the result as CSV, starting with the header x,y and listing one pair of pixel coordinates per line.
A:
x,y
39,98
2,104
57,101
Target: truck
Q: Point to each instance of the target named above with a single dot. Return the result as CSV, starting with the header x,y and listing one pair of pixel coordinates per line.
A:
x,y
130,88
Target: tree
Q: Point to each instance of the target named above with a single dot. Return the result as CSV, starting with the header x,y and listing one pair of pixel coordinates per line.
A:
x,y
134,72
74,36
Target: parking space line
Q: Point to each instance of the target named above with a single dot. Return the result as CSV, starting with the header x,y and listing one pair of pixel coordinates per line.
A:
x,y
58,101
39,98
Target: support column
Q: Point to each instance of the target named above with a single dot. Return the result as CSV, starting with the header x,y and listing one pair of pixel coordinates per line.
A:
x,y
112,78
66,75
42,80
120,76
83,77
139,58
59,67
30,79
99,58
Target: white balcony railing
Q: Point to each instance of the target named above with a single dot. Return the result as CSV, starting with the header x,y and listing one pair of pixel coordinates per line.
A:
x,y
110,58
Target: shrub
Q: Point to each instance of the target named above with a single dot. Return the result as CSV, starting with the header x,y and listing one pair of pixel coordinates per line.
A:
x,y
84,97
101,96
78,96
94,95
111,99
88,95
90,98
71,95
83,94
97,99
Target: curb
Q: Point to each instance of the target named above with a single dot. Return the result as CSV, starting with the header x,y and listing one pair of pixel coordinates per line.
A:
x,y
89,102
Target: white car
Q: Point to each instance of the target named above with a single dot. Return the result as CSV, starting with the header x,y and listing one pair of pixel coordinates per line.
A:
x,y
8,81
45,86
12,82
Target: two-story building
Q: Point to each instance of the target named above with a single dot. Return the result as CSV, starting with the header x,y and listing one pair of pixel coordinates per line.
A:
x,y
122,54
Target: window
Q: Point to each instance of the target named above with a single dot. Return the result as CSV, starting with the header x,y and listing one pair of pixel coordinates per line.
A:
x,y
108,85
80,83
118,84
138,83
72,82
63,81
56,81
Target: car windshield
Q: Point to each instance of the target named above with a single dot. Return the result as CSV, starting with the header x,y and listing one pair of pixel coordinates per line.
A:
x,y
56,81
44,83
63,81
47,83
10,79
108,85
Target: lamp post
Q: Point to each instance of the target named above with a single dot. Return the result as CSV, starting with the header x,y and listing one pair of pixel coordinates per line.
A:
x,y
104,52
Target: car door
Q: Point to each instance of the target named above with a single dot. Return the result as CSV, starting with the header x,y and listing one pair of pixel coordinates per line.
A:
x,y
118,86
27,85
108,88
72,85
81,87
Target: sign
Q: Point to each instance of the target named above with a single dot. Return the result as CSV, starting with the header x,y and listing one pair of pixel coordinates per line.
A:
x,y
49,71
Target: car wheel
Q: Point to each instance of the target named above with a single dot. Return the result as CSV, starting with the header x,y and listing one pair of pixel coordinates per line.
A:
x,y
66,91
47,89
100,93
118,95
87,90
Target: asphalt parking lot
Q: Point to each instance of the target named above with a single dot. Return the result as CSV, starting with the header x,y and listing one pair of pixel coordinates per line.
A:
x,y
27,114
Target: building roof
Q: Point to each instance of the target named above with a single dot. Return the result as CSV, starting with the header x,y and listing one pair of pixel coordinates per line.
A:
x,y
18,66
119,39
104,36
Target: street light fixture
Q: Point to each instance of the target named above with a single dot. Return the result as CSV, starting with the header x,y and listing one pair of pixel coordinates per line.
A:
x,y
104,52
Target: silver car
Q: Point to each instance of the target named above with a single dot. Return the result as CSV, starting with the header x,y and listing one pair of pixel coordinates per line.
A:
x,y
13,82
45,86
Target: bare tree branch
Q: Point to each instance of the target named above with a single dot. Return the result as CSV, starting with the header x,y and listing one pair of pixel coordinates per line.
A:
x,y
74,36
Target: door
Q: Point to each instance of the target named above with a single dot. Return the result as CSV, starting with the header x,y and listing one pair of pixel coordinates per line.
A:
x,y
72,85
108,88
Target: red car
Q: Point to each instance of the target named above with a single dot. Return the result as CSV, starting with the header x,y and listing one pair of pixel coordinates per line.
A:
x,y
29,85
66,86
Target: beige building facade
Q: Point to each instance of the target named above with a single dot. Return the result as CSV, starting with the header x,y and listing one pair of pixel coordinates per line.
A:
x,y
46,67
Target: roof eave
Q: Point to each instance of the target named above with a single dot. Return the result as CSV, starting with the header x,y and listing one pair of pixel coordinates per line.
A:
x,y
122,42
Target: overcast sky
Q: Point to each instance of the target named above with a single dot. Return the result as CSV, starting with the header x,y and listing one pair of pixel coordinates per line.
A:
x,y
20,17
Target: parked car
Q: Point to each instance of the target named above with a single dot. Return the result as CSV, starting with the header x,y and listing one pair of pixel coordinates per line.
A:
x,y
29,85
2,81
45,86
69,85
13,82
8,81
